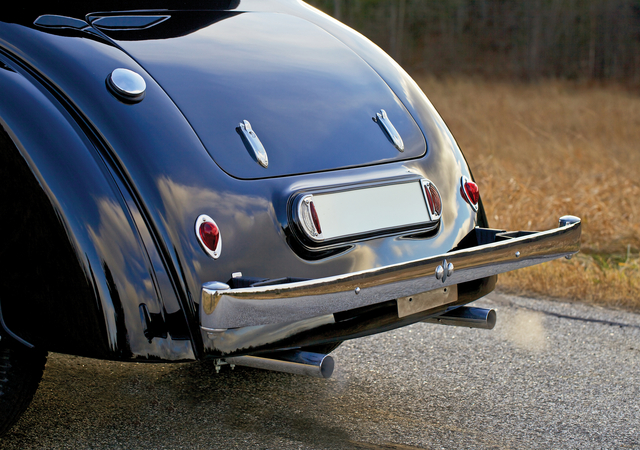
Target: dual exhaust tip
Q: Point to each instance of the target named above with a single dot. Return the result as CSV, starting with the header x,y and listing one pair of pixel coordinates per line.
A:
x,y
321,366
466,317
294,361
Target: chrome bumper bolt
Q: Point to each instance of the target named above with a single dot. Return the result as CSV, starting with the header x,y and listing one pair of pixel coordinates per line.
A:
x,y
442,273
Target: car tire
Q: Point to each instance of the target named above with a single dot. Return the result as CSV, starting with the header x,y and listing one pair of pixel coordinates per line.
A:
x,y
20,372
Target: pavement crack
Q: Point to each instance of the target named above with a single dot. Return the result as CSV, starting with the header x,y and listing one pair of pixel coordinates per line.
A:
x,y
580,319
585,319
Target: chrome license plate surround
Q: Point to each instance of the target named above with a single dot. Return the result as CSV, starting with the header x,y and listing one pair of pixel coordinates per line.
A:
x,y
362,211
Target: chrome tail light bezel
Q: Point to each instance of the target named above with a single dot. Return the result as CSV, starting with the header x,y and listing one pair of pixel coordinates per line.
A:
x,y
213,253
433,199
463,191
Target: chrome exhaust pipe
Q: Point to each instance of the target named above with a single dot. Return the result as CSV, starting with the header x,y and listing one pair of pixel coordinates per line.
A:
x,y
466,317
296,362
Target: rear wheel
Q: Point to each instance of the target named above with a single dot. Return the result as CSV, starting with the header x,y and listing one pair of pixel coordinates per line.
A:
x,y
20,372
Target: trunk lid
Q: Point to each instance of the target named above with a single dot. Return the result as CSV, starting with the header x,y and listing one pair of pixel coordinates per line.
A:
x,y
308,97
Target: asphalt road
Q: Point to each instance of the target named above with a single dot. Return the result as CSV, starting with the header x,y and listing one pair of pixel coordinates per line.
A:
x,y
550,375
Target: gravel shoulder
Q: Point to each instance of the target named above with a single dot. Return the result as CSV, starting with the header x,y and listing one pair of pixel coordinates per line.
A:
x,y
550,375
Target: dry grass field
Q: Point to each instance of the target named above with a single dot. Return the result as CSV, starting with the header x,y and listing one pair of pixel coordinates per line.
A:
x,y
542,150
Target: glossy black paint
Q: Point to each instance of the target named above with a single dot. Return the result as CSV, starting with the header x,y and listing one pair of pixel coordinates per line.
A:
x,y
310,98
126,182
76,248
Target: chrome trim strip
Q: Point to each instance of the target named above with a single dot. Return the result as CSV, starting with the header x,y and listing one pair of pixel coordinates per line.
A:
x,y
254,143
107,22
383,120
284,303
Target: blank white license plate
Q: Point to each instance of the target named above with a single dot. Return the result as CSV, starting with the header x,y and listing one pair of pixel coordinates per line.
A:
x,y
334,215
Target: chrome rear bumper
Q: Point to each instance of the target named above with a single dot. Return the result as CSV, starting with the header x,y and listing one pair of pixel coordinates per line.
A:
x,y
425,280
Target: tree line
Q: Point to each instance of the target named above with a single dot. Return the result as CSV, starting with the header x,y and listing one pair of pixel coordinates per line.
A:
x,y
573,39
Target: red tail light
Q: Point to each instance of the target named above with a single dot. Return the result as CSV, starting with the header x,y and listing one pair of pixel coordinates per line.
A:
x,y
437,201
208,235
314,216
433,199
470,192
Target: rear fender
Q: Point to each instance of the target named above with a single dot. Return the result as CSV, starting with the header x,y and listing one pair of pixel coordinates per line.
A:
x,y
80,278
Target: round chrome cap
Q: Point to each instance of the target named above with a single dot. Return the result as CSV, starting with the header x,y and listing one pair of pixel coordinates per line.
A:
x,y
127,84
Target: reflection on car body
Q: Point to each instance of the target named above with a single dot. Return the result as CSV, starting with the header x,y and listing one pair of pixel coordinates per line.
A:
x,y
247,182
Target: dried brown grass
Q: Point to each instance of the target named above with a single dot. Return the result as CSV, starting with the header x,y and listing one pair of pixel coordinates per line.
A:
x,y
539,151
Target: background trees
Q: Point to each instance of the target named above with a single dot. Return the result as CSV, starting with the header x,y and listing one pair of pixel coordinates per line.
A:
x,y
572,39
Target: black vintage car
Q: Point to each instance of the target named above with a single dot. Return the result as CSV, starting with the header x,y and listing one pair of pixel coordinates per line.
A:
x,y
246,181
